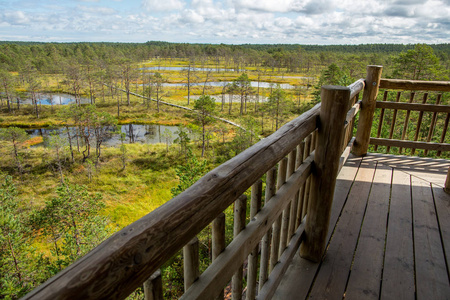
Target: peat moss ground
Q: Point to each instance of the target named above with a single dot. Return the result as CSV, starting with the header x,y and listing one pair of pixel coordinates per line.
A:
x,y
129,193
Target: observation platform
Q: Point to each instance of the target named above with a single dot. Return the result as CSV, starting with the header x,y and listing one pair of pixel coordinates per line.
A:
x,y
389,234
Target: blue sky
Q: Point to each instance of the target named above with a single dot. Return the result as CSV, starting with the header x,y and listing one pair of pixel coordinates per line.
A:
x,y
227,21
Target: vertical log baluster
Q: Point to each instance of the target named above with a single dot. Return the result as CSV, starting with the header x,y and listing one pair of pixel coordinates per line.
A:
x,y
349,131
284,239
419,122
335,104
191,263
292,166
394,118
307,184
380,123
240,210
252,273
447,182
265,243
444,132
153,287
300,158
218,240
405,125
274,253
433,122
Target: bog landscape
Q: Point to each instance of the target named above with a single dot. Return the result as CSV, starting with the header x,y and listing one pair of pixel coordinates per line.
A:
x,y
95,136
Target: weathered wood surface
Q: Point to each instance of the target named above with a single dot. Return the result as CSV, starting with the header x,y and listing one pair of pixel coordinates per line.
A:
x,y
365,276
240,212
357,86
331,281
265,242
432,281
252,266
419,122
368,108
415,85
403,258
352,112
444,131
153,289
433,123
218,235
123,262
380,120
405,124
335,105
394,118
410,144
276,228
300,274
218,241
191,262
414,106
442,202
218,274
429,169
398,276
447,182
280,269
285,223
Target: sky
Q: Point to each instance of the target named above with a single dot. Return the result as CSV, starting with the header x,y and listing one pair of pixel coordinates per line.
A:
x,y
322,22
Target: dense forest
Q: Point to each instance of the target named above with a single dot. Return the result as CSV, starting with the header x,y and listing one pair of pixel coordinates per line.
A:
x,y
51,57
72,173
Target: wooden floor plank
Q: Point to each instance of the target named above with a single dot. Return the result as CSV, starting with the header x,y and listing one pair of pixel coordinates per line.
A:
x,y
332,277
428,169
301,272
365,276
442,202
398,273
431,273
423,237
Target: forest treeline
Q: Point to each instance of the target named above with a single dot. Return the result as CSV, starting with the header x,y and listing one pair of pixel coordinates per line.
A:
x,y
53,57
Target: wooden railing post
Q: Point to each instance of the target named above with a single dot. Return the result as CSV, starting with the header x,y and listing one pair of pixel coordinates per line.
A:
x,y
367,110
447,182
335,104
191,263
240,212
218,241
153,287
252,270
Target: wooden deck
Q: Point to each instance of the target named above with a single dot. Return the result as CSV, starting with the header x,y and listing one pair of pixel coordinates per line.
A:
x,y
389,235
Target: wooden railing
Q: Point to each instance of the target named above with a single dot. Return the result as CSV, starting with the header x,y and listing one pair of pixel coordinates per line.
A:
x,y
298,165
412,115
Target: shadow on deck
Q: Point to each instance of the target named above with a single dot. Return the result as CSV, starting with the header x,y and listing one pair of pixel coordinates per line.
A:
x,y
389,234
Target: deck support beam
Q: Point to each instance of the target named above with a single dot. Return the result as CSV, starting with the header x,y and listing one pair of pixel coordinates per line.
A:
x,y
335,104
368,105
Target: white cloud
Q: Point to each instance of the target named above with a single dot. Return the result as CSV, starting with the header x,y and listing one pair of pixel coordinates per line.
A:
x,y
265,5
97,10
233,21
191,16
15,18
162,5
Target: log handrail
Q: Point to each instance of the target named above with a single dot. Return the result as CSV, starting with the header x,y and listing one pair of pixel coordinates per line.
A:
x,y
415,85
413,106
